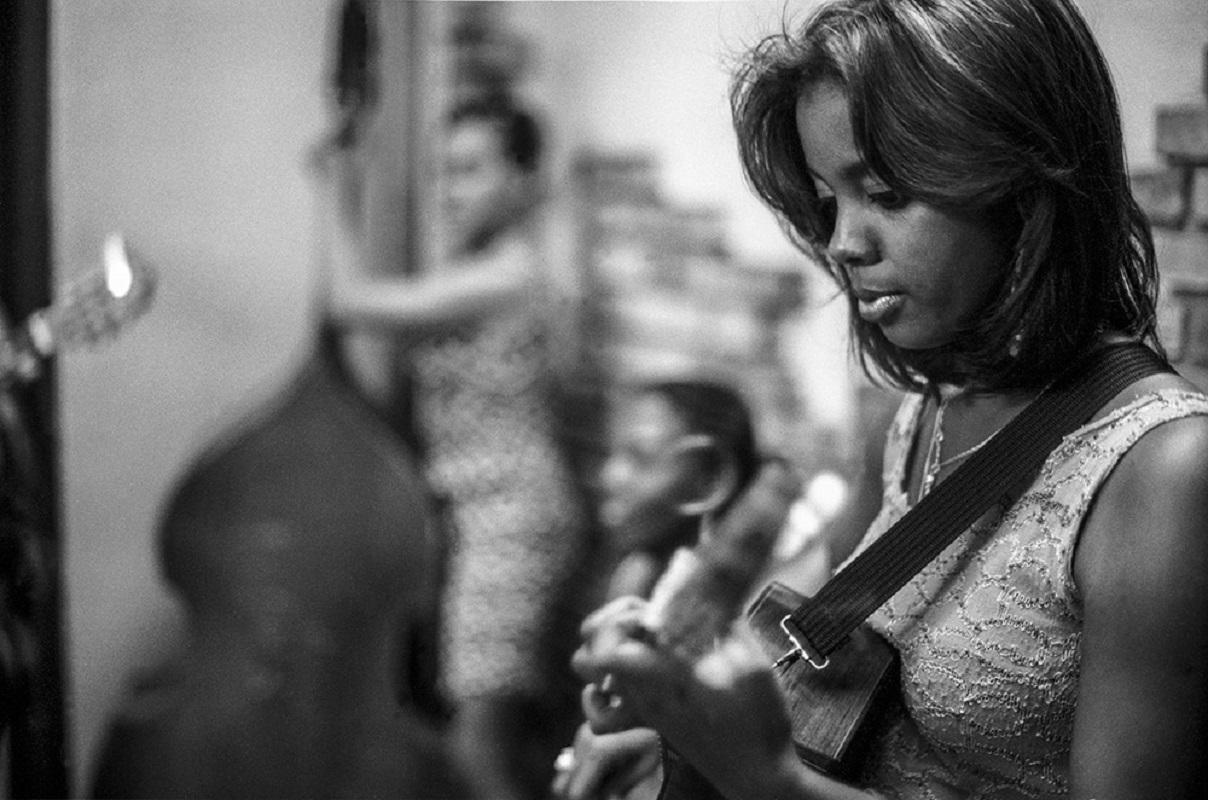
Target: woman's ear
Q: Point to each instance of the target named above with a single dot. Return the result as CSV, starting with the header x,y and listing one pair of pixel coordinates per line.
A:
x,y
713,478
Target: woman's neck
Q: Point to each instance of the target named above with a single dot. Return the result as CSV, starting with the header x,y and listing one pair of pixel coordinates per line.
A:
x,y
960,421
516,220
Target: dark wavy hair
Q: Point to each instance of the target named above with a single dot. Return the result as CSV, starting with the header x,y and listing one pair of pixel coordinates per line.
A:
x,y
520,132
1005,106
718,411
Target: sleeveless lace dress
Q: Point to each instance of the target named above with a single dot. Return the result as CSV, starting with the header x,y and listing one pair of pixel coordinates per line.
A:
x,y
484,413
989,632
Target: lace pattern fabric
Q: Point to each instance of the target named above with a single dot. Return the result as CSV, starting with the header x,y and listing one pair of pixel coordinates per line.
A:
x,y
989,632
483,408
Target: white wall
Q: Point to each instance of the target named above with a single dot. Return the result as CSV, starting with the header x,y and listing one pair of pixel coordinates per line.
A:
x,y
654,75
1156,51
185,123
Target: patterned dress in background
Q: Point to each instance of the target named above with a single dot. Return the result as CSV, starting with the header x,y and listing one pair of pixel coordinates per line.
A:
x,y
989,631
484,414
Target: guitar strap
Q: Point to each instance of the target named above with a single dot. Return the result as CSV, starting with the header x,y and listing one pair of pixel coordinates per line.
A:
x,y
996,472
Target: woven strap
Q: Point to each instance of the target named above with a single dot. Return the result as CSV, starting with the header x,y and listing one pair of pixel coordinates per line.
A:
x,y
995,472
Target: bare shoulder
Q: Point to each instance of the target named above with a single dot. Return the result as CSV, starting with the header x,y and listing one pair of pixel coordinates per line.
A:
x,y
1141,566
1150,517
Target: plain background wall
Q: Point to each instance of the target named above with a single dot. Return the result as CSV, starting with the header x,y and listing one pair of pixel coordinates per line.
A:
x,y
185,123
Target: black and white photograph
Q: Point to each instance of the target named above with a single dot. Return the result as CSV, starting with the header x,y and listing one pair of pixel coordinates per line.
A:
x,y
604,399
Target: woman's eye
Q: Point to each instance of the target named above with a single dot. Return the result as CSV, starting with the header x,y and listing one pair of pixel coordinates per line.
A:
x,y
889,199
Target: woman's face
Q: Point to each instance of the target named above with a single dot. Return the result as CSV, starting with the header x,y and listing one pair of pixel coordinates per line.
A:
x,y
922,274
480,183
646,475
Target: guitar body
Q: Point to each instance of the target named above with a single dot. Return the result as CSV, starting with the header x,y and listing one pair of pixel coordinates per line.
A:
x,y
681,781
831,710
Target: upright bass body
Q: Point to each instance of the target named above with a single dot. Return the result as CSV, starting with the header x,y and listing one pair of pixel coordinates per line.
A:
x,y
305,551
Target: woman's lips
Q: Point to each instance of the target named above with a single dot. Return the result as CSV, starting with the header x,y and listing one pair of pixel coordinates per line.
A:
x,y
875,307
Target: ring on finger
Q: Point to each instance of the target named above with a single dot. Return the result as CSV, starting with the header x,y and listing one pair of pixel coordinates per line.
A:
x,y
608,688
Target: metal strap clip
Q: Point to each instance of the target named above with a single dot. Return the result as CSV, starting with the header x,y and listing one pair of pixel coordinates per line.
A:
x,y
802,648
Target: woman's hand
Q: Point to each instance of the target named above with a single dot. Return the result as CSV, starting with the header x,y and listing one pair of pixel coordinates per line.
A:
x,y
724,714
613,765
604,708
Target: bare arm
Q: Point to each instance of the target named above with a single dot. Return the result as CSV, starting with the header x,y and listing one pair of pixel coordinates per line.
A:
x,y
431,302
1142,565
358,294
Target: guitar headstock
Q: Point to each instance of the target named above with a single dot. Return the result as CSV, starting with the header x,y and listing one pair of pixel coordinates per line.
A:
x,y
90,309
96,305
704,588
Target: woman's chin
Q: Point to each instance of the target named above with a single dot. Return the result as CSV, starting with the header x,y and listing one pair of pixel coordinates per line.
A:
x,y
912,344
910,339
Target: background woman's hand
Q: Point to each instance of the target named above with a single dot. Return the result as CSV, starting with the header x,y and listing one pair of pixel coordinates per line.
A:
x,y
612,765
604,708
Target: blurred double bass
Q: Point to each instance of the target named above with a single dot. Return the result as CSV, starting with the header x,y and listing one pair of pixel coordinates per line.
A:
x,y
307,551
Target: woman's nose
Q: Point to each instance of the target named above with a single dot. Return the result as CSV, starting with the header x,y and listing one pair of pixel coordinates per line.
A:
x,y
850,244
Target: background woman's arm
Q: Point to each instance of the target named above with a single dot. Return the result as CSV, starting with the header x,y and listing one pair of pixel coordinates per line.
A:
x,y
359,293
428,303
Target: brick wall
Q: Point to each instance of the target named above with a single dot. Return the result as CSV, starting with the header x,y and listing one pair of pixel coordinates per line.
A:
x,y
1175,197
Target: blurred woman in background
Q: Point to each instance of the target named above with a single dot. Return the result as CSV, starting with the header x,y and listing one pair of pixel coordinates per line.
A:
x,y
484,417
680,451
